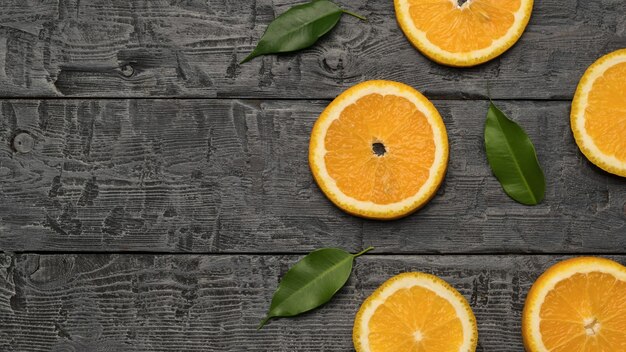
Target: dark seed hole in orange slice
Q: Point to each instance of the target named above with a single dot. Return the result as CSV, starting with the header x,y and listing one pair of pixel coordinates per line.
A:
x,y
379,149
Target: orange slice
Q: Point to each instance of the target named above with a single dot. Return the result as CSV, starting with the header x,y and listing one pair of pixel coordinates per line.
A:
x,y
379,150
415,312
463,35
599,113
577,305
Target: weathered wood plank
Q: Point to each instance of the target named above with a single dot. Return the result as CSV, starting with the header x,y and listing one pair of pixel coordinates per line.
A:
x,y
162,48
232,176
214,303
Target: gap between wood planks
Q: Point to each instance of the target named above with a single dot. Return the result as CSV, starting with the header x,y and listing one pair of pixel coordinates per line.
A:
x,y
244,98
297,253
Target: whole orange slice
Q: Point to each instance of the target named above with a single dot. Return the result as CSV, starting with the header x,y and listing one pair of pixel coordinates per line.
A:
x,y
463,33
379,150
414,312
598,116
577,305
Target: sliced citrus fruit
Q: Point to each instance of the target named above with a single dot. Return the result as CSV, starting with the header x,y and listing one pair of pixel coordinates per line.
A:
x,y
415,312
463,33
577,305
379,150
599,113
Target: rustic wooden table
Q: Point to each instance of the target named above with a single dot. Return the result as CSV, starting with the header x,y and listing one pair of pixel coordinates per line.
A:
x,y
157,190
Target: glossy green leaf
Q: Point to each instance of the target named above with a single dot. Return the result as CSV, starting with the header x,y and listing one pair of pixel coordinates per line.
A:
x,y
299,28
311,282
513,159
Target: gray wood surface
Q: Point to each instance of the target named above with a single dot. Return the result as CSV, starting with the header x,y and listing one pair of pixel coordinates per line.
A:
x,y
214,303
92,160
232,176
191,48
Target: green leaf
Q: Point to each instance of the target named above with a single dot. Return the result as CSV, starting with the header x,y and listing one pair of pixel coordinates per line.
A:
x,y
299,28
513,159
311,282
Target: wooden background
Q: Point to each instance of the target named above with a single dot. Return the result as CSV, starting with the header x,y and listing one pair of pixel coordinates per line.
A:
x,y
153,191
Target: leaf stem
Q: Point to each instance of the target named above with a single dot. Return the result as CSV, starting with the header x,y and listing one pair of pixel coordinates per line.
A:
x,y
363,252
354,14
263,322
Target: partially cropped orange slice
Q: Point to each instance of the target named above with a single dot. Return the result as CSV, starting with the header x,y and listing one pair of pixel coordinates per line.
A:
x,y
379,150
577,305
599,113
415,312
463,33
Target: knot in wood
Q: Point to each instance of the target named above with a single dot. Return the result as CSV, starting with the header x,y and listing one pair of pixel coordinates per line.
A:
x,y
127,70
336,60
23,142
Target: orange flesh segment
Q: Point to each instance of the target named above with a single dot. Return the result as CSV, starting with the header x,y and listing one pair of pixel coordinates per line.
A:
x,y
585,312
605,115
465,29
415,311
408,140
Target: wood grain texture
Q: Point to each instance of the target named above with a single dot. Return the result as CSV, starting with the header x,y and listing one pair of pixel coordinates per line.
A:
x,y
214,303
232,176
177,48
